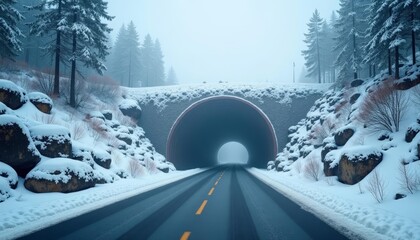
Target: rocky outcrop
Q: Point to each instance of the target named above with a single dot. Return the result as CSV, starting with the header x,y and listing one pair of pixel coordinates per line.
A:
x,y
11,95
130,108
9,174
82,154
412,133
342,136
357,163
52,140
102,158
356,83
41,101
16,146
328,171
60,175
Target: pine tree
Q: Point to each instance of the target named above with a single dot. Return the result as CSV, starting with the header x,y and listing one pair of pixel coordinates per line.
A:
x,y
51,19
9,32
171,78
158,68
89,37
326,55
312,39
133,54
118,60
350,27
147,61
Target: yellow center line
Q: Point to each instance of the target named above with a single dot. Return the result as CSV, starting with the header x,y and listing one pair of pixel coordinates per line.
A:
x,y
216,182
211,191
200,210
185,236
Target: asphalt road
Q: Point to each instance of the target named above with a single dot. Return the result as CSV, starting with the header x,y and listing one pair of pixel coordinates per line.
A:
x,y
222,203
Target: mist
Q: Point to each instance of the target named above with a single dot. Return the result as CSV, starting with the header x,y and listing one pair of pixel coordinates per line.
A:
x,y
235,41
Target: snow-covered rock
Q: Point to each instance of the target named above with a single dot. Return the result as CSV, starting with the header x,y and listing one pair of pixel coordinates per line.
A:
x,y
130,108
41,101
102,158
8,173
16,146
52,140
60,175
11,94
343,135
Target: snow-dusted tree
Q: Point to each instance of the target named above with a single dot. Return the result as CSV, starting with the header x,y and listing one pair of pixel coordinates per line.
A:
x,y
9,32
327,56
89,36
158,68
147,61
350,27
117,59
171,78
312,54
377,48
133,52
51,19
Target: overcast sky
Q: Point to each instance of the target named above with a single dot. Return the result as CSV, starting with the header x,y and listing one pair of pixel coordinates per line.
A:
x,y
225,40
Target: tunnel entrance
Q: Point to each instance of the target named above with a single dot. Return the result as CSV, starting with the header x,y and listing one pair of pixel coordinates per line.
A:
x,y
205,126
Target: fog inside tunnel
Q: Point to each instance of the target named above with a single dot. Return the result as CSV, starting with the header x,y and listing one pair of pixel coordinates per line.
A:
x,y
232,153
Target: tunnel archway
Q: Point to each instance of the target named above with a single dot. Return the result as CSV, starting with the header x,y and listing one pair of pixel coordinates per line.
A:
x,y
205,126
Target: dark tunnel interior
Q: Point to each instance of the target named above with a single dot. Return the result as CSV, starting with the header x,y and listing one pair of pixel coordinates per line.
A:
x,y
207,125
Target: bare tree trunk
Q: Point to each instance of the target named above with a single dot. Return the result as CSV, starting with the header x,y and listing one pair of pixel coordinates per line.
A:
x,y
397,63
73,68
56,90
413,34
389,62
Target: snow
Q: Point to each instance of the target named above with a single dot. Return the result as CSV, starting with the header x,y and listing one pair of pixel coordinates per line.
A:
x,y
8,173
59,169
354,213
26,212
161,96
40,97
128,104
11,87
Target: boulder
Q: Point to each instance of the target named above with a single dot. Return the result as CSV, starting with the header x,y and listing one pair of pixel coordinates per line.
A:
x,y
9,174
356,83
399,196
5,190
107,114
412,132
130,108
407,83
41,101
328,171
60,175
52,140
11,95
342,136
356,163
16,146
102,158
125,138
82,153
354,98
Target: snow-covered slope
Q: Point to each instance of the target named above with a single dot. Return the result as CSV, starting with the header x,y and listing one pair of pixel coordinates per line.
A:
x,y
358,122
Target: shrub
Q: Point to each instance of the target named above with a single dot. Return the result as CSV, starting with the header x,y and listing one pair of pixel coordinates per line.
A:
x,y
376,186
103,87
135,168
81,94
384,108
78,130
408,179
151,166
321,131
312,169
44,82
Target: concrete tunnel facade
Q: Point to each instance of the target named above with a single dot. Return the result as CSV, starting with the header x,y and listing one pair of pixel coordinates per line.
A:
x,y
206,125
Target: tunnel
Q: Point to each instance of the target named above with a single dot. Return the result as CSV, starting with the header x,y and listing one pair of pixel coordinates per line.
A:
x,y
205,126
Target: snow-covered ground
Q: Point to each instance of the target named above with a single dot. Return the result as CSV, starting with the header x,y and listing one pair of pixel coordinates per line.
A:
x,y
346,209
27,212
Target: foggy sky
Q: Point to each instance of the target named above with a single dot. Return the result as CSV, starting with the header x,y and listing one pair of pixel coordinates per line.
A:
x,y
225,40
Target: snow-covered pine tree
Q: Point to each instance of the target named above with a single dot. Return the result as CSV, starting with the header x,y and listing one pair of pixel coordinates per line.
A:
x,y
312,54
147,61
350,27
133,55
118,61
377,48
10,44
327,56
171,78
89,37
51,19
158,65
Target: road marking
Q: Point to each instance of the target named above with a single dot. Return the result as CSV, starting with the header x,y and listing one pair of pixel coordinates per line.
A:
x,y
200,210
211,191
185,236
216,182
